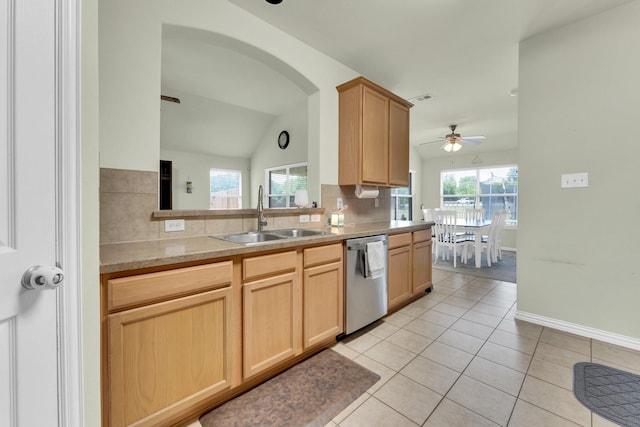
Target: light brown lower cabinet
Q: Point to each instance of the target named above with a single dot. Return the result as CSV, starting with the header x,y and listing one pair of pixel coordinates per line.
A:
x,y
399,274
271,311
271,317
409,267
422,262
167,357
323,294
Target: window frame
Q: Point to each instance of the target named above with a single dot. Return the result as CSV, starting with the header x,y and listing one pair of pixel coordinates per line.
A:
x,y
288,195
510,223
410,197
239,196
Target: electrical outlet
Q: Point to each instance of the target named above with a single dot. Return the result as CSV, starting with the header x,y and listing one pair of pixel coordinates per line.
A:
x,y
376,203
574,180
303,218
339,203
315,218
581,179
171,225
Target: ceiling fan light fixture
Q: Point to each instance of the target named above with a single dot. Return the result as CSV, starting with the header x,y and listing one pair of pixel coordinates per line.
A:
x,y
449,147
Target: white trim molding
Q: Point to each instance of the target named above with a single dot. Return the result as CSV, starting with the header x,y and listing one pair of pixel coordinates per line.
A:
x,y
70,369
584,331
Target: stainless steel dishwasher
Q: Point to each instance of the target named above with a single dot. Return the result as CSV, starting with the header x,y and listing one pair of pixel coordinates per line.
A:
x,y
366,297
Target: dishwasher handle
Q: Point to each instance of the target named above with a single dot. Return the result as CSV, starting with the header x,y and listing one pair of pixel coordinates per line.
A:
x,y
362,255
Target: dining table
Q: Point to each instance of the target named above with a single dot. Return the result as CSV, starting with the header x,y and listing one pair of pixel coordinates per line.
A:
x,y
478,228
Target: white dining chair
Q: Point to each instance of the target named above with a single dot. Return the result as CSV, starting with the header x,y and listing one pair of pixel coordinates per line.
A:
x,y
498,237
473,214
447,239
490,242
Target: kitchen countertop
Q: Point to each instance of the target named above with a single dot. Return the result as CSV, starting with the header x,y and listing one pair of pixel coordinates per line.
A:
x,y
117,257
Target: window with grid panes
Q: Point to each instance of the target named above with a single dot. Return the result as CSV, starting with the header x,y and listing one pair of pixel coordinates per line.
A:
x,y
402,201
225,189
490,188
282,183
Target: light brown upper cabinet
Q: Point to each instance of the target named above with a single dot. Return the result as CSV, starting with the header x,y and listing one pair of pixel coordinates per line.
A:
x,y
374,135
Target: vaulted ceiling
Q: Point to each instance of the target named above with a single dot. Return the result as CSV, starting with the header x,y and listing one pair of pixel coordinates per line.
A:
x,y
463,53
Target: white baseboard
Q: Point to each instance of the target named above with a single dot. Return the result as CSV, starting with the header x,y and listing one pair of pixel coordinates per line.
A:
x,y
584,331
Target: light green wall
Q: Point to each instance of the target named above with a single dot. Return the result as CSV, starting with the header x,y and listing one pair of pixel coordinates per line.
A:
x,y
578,107
130,57
268,154
196,167
90,284
431,169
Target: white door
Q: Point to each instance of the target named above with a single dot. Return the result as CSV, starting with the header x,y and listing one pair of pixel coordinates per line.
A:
x,y
32,224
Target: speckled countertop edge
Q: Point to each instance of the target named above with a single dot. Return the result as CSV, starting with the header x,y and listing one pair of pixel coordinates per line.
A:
x,y
118,257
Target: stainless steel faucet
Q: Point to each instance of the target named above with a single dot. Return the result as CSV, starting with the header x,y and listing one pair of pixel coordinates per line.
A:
x,y
262,221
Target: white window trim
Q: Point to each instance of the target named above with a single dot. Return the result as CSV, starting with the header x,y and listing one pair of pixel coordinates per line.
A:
x,y
411,195
268,193
239,172
477,191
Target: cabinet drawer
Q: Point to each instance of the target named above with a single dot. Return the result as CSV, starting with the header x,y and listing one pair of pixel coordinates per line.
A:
x,y
422,235
322,255
145,288
396,240
268,265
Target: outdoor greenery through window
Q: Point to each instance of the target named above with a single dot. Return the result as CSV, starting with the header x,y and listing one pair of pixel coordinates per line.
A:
x,y
402,201
282,183
491,188
225,189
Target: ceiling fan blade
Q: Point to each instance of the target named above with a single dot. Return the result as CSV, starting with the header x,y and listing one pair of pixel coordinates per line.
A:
x,y
432,142
469,141
475,137
170,99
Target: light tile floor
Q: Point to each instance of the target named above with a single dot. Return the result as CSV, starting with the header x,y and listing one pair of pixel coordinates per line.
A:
x,y
458,357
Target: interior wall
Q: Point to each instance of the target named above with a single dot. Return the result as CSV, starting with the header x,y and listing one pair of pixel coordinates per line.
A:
x,y
130,58
268,154
89,205
415,164
578,96
431,169
196,167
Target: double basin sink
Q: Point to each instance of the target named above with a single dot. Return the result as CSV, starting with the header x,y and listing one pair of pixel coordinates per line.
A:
x,y
253,237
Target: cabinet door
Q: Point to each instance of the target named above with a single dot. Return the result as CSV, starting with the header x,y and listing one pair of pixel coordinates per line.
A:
x,y
168,357
398,144
323,305
272,322
399,285
421,266
375,137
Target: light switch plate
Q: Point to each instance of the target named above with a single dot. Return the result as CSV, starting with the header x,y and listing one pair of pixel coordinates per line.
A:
x,y
171,225
574,180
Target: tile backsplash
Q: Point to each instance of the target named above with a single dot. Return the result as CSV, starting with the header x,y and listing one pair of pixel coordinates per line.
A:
x,y
358,210
128,199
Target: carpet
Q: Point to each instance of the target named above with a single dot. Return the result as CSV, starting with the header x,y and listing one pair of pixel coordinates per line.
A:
x,y
310,393
611,393
504,269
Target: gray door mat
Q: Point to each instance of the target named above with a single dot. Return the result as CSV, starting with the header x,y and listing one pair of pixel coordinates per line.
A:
x,y
309,394
611,393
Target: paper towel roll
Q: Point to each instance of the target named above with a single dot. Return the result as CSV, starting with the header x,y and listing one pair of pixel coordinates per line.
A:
x,y
366,191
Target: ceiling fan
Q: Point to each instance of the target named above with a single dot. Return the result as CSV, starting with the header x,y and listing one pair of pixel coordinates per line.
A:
x,y
170,99
454,140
